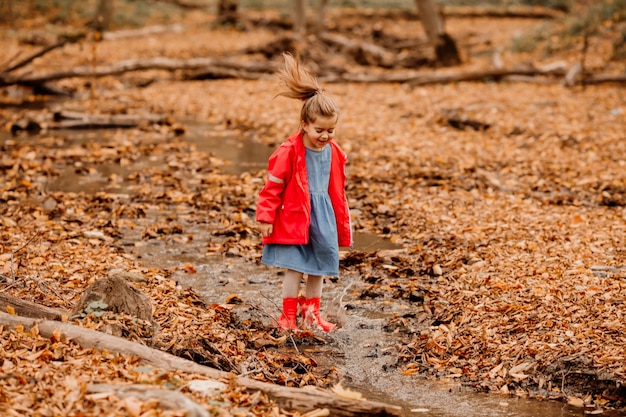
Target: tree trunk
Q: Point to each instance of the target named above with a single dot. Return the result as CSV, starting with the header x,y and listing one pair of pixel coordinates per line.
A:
x,y
299,18
228,13
446,52
28,309
321,16
104,15
9,17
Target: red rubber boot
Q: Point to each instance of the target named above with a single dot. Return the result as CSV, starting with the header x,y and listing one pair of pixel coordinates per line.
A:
x,y
310,310
287,320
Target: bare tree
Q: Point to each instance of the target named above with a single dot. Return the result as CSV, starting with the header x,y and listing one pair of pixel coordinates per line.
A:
x,y
9,14
228,12
446,52
321,15
104,15
299,17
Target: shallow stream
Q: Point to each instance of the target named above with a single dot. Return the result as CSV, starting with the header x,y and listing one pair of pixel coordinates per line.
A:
x,y
361,350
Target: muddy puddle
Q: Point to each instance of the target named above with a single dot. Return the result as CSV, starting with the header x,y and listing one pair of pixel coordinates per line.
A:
x,y
360,349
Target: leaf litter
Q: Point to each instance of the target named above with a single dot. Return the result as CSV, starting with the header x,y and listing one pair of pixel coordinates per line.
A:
x,y
513,260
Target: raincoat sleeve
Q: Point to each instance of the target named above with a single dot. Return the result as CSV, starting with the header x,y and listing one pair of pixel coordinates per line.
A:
x,y
270,197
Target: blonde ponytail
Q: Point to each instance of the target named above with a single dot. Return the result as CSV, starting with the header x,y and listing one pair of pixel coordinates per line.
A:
x,y
302,85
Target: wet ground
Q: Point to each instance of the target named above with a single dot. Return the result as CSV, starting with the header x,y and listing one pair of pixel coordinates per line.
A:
x,y
361,350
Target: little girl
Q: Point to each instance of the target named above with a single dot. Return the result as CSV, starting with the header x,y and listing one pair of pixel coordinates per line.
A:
x,y
302,210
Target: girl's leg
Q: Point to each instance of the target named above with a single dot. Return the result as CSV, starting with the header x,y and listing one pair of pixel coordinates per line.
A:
x,y
291,284
291,287
310,305
313,288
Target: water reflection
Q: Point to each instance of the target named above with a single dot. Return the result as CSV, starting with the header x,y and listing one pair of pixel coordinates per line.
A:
x,y
107,177
241,151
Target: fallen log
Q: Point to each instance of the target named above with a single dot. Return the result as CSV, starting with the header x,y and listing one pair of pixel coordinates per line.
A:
x,y
415,78
289,398
363,52
516,12
603,78
509,11
458,76
147,31
167,399
157,63
186,5
223,68
32,310
220,72
75,120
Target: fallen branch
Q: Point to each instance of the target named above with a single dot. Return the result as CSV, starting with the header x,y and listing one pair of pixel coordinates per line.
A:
x,y
147,31
363,52
214,68
603,78
75,120
221,72
510,11
36,55
286,397
185,5
167,399
157,63
29,309
519,12
478,75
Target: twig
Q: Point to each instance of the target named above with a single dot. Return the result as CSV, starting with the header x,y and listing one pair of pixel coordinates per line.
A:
x,y
293,342
232,365
270,316
8,287
32,57
17,250
43,284
15,56
565,373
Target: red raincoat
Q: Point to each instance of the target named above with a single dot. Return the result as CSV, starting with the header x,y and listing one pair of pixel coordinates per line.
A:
x,y
285,202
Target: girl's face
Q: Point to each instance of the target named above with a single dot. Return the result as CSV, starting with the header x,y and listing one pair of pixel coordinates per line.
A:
x,y
318,133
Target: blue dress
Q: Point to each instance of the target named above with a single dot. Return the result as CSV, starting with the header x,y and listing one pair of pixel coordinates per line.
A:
x,y
321,255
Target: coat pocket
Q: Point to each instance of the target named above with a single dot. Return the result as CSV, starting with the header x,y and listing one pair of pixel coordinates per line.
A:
x,y
291,226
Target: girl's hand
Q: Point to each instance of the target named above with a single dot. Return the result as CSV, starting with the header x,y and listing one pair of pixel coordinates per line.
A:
x,y
265,229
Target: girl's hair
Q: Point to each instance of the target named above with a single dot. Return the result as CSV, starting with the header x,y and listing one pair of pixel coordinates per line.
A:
x,y
303,85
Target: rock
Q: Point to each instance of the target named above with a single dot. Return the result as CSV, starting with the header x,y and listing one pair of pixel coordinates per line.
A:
x,y
118,296
114,294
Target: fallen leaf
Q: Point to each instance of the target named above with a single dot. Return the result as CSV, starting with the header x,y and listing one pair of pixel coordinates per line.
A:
x,y
347,393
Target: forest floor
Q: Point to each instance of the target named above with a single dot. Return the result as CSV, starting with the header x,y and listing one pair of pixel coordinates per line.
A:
x,y
507,199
